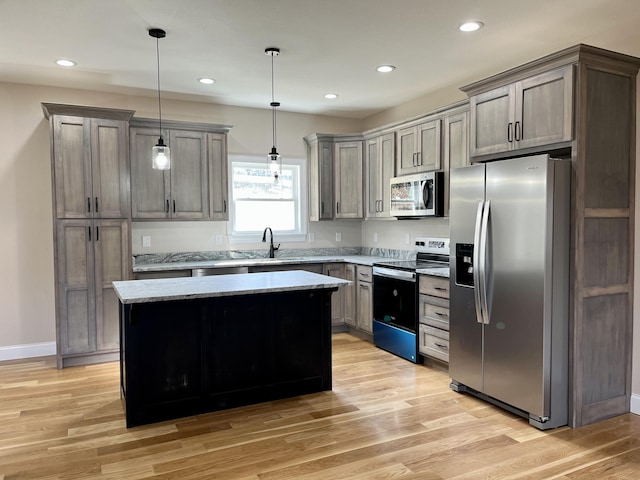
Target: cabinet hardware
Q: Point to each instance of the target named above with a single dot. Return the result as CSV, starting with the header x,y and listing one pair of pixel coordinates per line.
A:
x,y
97,234
89,234
440,289
337,207
224,206
415,159
89,204
517,131
174,206
440,314
322,207
97,209
509,132
440,345
167,206
419,158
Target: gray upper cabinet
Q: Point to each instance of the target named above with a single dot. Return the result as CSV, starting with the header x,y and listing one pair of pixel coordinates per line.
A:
x,y
320,161
419,148
348,179
455,146
91,171
218,179
180,192
532,112
379,168
196,185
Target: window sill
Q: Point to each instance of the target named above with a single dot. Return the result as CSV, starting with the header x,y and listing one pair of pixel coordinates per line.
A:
x,y
277,238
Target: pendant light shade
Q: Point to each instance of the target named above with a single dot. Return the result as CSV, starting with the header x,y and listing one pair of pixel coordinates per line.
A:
x,y
160,153
274,161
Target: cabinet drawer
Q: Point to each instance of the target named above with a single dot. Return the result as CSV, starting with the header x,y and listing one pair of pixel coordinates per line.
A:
x,y
432,314
364,273
434,343
436,286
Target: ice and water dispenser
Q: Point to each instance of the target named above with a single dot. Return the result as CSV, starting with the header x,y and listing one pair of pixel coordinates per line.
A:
x,y
464,264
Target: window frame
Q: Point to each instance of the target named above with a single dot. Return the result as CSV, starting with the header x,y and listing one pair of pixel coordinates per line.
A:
x,y
280,236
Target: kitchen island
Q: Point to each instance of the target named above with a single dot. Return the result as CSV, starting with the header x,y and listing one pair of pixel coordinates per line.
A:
x,y
201,344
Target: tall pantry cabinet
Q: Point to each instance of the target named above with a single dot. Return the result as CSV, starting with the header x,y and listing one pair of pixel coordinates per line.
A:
x,y
91,211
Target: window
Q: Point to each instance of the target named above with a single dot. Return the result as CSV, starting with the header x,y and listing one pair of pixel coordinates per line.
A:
x,y
257,201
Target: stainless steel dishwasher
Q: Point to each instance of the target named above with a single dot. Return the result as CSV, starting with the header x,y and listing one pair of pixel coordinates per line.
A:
x,y
205,272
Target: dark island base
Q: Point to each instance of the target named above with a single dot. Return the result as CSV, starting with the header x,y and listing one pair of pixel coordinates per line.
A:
x,y
187,357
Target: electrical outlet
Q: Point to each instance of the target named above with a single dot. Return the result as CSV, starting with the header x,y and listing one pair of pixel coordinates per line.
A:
x,y
312,237
407,239
218,239
338,236
146,240
375,237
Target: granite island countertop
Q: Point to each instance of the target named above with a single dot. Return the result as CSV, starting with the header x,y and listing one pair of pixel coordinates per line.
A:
x,y
162,290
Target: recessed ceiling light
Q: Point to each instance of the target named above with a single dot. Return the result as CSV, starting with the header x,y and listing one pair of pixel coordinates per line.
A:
x,y
207,81
64,62
331,96
471,26
385,68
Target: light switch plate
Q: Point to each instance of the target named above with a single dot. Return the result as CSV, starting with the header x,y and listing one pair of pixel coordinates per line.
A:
x,y
407,239
146,240
375,237
338,236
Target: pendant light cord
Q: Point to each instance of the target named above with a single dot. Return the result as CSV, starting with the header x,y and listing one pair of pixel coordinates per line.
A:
x,y
159,104
273,103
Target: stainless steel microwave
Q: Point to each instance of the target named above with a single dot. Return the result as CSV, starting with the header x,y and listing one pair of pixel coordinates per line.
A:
x,y
419,195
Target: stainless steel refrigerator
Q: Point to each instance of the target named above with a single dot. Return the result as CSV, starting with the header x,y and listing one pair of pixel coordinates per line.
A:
x,y
509,223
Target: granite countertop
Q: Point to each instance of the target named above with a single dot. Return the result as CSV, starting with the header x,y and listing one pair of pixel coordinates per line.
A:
x,y
160,290
245,262
434,271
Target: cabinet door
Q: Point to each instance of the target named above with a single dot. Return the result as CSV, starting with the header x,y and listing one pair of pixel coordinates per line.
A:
x,y
428,157
373,190
320,157
337,298
348,180
544,108
407,156
111,247
456,148
350,295
149,187
75,280
72,166
365,306
189,175
110,168
492,117
387,151
218,179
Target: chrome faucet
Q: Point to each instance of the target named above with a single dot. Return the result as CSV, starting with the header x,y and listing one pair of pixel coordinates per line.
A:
x,y
272,249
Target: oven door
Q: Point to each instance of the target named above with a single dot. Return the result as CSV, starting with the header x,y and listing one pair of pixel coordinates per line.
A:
x,y
394,298
395,312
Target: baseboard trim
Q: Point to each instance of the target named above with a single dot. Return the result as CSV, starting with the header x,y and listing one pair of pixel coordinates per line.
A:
x,y
635,403
17,352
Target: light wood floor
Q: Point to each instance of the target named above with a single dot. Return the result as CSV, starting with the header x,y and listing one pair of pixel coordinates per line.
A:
x,y
385,418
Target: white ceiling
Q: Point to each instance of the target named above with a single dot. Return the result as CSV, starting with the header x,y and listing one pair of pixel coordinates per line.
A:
x,y
326,46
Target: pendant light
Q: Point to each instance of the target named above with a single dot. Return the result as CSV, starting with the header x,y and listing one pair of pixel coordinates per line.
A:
x,y
274,160
160,153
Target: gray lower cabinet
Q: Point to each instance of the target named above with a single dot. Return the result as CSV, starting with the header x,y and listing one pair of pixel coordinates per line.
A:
x,y
433,317
90,255
364,298
337,298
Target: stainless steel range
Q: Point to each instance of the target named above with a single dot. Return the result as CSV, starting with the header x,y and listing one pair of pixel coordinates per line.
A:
x,y
395,297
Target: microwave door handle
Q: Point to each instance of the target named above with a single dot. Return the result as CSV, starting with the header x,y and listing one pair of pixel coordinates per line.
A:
x,y
426,193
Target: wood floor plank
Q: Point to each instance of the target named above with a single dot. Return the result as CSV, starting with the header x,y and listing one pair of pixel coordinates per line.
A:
x,y
385,418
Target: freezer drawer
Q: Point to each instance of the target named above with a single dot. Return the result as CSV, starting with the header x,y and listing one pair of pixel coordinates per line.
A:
x,y
434,342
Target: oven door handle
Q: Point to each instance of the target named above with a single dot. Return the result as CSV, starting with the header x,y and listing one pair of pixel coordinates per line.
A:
x,y
393,273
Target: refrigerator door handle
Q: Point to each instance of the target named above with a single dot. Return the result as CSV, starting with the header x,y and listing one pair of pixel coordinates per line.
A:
x,y
476,264
484,278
